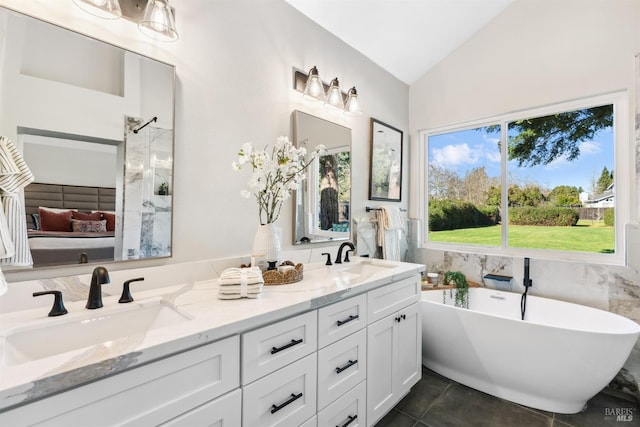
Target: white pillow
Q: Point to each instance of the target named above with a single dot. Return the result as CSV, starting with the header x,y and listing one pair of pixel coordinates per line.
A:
x,y
57,210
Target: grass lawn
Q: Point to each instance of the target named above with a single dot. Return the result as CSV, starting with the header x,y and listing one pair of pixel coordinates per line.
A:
x,y
587,236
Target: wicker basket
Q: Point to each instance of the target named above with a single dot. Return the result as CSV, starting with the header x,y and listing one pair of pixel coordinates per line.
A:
x,y
274,277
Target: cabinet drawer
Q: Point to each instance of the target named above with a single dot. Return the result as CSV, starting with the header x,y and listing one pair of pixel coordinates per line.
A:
x,y
341,319
269,348
390,298
348,411
223,411
284,398
341,366
147,395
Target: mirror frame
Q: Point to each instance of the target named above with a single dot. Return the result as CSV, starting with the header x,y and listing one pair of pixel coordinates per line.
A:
x,y
85,134
393,142
304,191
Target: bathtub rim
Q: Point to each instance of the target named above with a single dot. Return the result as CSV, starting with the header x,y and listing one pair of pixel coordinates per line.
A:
x,y
631,324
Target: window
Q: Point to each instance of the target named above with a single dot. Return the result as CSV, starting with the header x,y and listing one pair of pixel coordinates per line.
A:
x,y
540,180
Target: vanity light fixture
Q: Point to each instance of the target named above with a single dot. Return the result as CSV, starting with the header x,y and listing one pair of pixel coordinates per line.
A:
x,y
314,89
352,104
155,18
106,9
158,21
334,95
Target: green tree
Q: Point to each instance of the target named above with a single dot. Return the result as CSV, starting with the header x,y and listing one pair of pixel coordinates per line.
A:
x,y
530,195
565,195
344,176
541,140
605,180
493,196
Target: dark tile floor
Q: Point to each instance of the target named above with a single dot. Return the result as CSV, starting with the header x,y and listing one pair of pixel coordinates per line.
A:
x,y
438,402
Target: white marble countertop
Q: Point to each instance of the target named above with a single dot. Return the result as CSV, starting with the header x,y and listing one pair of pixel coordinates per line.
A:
x,y
207,319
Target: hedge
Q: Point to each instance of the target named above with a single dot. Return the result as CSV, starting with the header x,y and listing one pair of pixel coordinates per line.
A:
x,y
548,216
609,217
452,215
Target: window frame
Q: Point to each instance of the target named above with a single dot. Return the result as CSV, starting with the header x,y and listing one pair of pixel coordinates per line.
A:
x,y
624,161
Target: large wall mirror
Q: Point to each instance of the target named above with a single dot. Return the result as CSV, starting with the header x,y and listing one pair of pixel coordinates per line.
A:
x,y
322,203
95,124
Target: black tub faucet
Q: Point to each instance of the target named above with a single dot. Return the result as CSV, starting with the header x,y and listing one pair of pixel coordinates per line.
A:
x,y
346,258
99,277
527,282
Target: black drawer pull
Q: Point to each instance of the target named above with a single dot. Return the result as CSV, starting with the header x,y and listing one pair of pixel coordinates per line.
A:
x,y
275,350
351,419
293,398
347,366
352,317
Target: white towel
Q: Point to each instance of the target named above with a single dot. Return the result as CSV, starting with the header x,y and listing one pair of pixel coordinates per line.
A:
x,y
390,231
240,283
233,275
14,176
233,289
3,284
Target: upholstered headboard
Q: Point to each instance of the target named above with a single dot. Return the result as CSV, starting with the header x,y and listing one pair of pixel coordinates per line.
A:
x,y
67,197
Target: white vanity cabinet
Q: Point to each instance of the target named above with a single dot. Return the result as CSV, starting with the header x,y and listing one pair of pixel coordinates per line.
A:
x,y
393,345
279,365
342,362
177,388
345,363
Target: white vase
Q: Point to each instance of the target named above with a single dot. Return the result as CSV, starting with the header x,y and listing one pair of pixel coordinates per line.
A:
x,y
266,246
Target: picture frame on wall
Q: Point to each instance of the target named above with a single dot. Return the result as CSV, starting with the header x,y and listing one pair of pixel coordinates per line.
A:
x,y
385,172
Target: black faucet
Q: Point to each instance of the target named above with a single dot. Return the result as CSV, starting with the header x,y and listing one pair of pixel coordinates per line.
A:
x,y
98,278
527,282
346,258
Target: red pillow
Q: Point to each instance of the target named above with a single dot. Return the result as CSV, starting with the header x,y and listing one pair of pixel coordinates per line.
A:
x,y
111,220
55,221
94,216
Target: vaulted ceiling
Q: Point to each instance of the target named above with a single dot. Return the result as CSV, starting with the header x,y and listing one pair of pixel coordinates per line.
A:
x,y
405,37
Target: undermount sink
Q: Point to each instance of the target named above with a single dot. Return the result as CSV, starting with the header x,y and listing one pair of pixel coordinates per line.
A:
x,y
364,267
84,329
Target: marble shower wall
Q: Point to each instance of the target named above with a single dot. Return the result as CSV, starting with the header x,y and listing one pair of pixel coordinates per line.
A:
x,y
147,189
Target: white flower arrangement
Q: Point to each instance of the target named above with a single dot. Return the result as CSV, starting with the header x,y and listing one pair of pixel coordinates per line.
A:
x,y
275,174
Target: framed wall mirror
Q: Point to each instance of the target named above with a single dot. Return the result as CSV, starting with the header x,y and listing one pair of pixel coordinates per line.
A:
x,y
385,174
322,203
95,124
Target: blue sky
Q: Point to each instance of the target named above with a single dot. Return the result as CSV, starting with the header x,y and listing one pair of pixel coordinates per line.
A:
x,y
464,150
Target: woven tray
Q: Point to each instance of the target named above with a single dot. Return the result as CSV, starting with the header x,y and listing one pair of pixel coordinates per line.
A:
x,y
274,277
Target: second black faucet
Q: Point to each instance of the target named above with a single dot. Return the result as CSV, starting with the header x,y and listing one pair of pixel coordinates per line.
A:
x,y
99,277
346,257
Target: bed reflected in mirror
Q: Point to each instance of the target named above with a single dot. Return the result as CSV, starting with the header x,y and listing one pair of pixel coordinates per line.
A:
x,y
322,208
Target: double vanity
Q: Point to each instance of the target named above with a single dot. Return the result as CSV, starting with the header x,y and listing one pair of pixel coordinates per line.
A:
x,y
341,347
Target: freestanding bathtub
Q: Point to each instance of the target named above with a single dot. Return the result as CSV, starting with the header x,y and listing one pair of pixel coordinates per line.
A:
x,y
560,356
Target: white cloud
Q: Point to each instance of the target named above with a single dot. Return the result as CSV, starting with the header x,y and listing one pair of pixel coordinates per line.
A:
x,y
461,154
558,163
589,147
493,140
454,155
493,156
